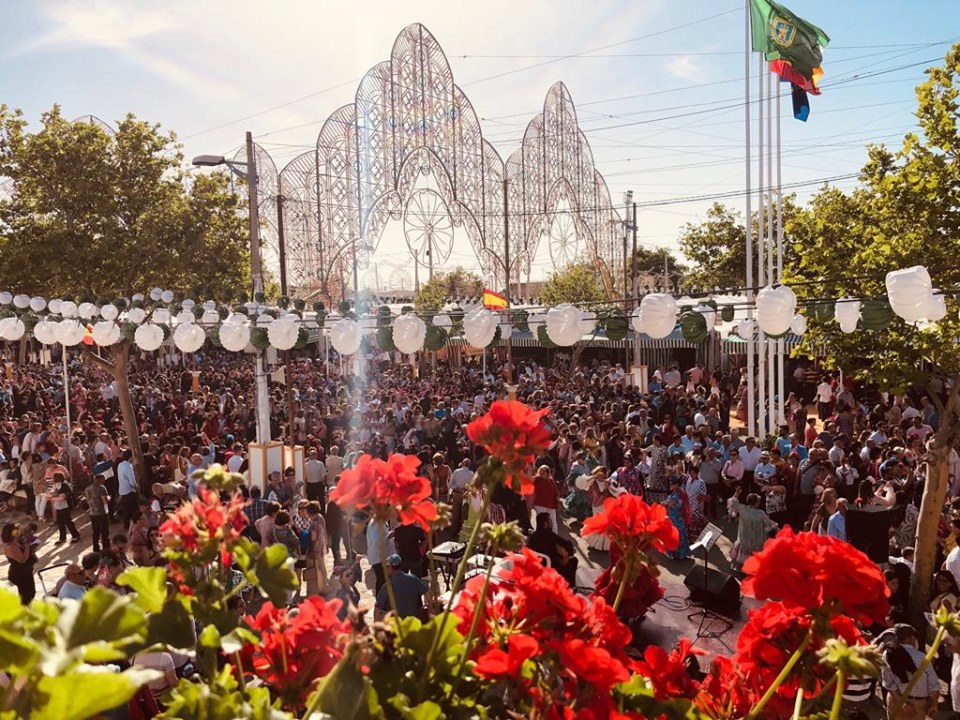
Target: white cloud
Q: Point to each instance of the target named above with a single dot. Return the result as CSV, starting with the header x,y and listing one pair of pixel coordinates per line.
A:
x,y
685,67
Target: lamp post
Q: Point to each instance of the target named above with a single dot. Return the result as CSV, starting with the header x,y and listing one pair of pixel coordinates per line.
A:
x,y
248,171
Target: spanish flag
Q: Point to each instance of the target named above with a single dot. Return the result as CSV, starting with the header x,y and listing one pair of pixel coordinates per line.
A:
x,y
494,301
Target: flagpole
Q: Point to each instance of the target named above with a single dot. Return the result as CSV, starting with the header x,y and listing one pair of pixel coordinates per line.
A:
x,y
761,247
780,344
751,389
771,346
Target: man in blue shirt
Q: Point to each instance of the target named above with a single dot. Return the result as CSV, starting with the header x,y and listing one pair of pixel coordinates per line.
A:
x,y
127,488
410,592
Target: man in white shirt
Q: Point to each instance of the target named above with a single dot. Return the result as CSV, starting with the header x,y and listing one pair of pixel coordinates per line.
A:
x,y
236,460
750,457
919,430
824,398
315,474
334,465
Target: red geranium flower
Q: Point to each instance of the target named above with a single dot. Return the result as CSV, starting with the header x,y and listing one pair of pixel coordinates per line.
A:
x,y
723,694
668,671
387,486
643,591
816,571
204,523
532,615
515,434
633,524
298,649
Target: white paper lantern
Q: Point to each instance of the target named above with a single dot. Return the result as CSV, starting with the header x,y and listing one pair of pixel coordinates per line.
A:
x,y
45,332
189,337
166,296
137,297
847,313
368,324
69,332
252,308
21,302
136,315
209,305
156,294
636,319
109,312
68,309
235,336
506,331
409,333
54,306
775,309
345,336
563,324
87,310
12,329
443,321
745,328
106,333
6,298
148,337
659,314
263,320
185,318
588,322
210,318
161,316
479,327
709,315
283,333
909,292
188,304
799,325
37,304
936,307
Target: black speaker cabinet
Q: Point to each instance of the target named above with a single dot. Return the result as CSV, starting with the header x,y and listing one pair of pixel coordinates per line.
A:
x,y
715,589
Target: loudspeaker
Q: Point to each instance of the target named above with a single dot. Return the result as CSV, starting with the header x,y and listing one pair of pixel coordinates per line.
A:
x,y
713,588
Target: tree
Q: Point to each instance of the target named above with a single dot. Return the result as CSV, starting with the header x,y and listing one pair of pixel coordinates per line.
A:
x,y
96,215
906,213
576,283
717,247
653,264
444,287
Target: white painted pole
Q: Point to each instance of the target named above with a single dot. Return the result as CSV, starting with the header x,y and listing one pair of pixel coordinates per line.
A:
x,y
66,402
781,364
771,346
761,247
751,388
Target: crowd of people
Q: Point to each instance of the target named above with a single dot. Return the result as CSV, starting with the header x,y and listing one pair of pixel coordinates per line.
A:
x,y
855,471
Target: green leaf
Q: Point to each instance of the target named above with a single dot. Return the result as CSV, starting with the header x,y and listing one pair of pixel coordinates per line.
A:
x,y
150,585
172,626
347,694
87,692
209,638
101,619
273,574
235,640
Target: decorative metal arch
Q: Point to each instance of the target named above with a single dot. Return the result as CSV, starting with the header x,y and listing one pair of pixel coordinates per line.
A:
x,y
411,127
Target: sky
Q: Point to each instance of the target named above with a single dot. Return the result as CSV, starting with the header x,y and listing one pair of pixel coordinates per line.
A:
x,y
658,84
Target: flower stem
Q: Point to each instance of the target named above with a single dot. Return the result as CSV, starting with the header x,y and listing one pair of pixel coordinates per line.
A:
x,y
624,581
787,669
382,540
461,571
838,695
927,660
239,662
798,703
476,616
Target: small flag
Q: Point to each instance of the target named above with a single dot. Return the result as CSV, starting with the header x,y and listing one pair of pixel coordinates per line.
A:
x,y
791,44
801,104
493,300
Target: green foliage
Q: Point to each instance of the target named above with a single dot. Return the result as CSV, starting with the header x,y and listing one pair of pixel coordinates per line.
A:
x,y
577,283
95,204
444,287
220,699
904,214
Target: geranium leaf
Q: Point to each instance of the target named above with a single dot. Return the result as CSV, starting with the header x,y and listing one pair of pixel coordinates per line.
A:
x,y
69,696
347,694
150,585
273,573
101,617
172,627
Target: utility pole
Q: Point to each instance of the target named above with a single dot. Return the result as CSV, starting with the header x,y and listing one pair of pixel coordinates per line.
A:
x,y
280,240
261,383
287,359
633,263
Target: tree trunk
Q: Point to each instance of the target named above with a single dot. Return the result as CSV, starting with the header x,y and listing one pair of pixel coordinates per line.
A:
x,y
118,369
931,507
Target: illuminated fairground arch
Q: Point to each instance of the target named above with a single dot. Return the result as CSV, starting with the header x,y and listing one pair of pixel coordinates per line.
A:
x,y
411,144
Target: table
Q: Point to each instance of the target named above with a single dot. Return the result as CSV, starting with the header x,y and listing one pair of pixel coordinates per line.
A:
x,y
447,556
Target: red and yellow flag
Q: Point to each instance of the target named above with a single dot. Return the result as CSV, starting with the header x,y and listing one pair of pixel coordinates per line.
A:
x,y
494,301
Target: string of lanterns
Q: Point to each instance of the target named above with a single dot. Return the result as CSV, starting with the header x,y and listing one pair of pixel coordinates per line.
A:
x,y
251,326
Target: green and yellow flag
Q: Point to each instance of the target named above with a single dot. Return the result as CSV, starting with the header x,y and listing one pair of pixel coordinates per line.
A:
x,y
791,45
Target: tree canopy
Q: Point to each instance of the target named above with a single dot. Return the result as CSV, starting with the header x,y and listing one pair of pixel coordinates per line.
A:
x,y
576,283
651,266
102,214
445,286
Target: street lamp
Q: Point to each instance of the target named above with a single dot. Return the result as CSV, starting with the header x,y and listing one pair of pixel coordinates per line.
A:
x,y
248,171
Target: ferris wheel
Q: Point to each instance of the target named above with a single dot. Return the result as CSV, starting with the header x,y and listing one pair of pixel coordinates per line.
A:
x,y
428,228
562,239
399,280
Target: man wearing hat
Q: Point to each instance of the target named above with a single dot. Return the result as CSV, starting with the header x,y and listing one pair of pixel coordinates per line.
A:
x,y
410,592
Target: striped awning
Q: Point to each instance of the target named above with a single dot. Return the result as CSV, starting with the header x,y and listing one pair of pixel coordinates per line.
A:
x,y
672,341
789,340
527,339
